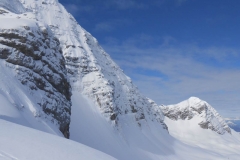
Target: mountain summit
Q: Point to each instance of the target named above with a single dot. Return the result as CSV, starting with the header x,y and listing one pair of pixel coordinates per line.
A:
x,y
91,70
209,118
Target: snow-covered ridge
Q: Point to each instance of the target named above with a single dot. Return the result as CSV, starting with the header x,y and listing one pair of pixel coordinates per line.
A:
x,y
91,70
186,110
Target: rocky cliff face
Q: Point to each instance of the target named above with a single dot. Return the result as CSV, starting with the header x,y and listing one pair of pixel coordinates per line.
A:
x,y
45,46
35,55
186,110
91,70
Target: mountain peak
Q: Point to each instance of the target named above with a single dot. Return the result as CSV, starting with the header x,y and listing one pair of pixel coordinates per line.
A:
x,y
79,64
195,107
194,99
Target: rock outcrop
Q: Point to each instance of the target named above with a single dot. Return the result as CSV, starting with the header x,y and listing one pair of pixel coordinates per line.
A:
x,y
34,53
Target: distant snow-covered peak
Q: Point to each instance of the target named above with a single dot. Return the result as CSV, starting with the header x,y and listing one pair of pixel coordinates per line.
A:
x,y
186,110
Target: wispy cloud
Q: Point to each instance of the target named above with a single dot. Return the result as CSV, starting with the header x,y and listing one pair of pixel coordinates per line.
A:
x,y
108,26
180,2
97,5
171,72
128,4
75,9
104,26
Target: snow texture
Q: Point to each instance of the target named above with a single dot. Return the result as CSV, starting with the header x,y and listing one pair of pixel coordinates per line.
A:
x,y
30,144
226,146
13,6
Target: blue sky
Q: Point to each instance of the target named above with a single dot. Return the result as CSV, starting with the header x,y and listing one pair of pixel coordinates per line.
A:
x,y
172,49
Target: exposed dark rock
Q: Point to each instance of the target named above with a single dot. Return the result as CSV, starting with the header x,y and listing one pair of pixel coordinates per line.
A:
x,y
4,53
40,68
204,125
3,11
113,117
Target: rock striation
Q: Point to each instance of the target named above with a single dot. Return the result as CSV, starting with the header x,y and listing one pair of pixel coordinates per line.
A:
x,y
91,70
35,55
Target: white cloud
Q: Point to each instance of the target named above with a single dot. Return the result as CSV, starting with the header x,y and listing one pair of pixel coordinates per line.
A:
x,y
104,26
108,26
76,9
126,4
186,69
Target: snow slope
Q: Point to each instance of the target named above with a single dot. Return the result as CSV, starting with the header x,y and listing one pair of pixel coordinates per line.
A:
x,y
17,105
188,132
30,144
150,142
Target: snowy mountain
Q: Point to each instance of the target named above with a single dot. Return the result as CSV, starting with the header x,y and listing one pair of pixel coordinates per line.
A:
x,y
184,121
209,118
90,69
56,78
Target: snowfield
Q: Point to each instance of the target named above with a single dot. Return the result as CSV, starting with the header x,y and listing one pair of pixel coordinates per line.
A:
x,y
22,143
214,137
227,145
